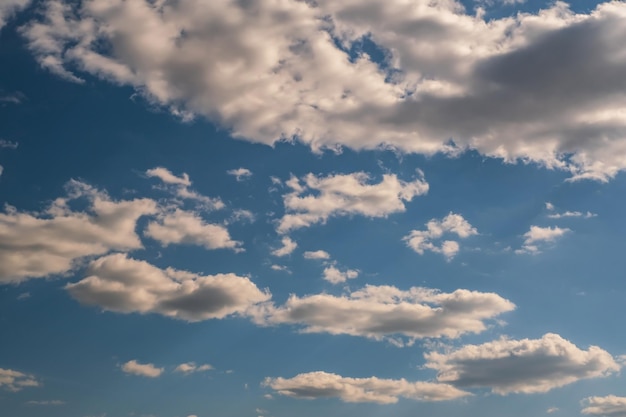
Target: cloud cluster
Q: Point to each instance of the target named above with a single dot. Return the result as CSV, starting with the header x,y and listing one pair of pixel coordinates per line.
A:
x,y
314,199
609,406
521,366
10,7
121,284
51,242
288,247
567,213
385,312
147,370
314,385
184,227
14,380
544,87
240,174
422,240
334,275
538,235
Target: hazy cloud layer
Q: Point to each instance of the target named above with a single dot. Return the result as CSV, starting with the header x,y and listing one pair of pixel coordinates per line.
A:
x,y
125,285
315,199
51,242
385,312
14,380
315,385
426,240
609,406
523,366
545,87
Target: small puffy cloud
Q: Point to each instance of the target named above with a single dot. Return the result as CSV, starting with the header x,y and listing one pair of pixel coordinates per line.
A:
x,y
317,199
549,206
540,235
382,312
240,174
521,366
288,247
422,240
552,410
142,369
52,242
121,284
9,7
241,215
180,187
283,268
336,276
314,385
191,367
14,380
318,254
609,406
184,227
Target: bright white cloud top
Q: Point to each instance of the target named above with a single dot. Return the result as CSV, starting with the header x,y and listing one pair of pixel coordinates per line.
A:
x,y
422,240
147,370
538,235
609,406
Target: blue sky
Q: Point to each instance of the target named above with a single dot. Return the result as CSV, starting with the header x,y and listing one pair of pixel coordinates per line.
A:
x,y
279,208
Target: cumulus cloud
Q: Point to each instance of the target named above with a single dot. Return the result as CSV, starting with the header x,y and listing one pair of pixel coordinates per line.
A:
x,y
14,380
52,242
609,406
184,227
539,236
9,7
283,268
521,366
142,369
544,86
121,284
191,367
318,198
318,254
240,174
388,313
315,385
288,247
181,187
334,275
422,240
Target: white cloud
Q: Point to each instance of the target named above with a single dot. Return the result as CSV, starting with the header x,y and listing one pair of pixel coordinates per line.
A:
x,y
45,402
280,268
121,284
521,366
274,70
538,236
241,215
388,313
552,410
240,174
288,247
142,369
7,144
335,276
184,227
14,380
180,186
9,7
422,240
568,213
318,254
609,406
191,367
52,242
345,194
549,206
315,385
